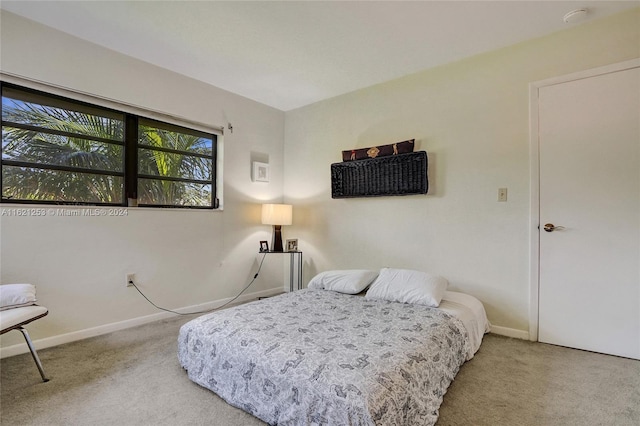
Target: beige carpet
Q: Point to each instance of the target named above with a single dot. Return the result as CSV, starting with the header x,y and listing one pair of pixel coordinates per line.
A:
x,y
132,377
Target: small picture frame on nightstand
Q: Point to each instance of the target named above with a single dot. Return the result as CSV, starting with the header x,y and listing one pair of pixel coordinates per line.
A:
x,y
292,245
264,246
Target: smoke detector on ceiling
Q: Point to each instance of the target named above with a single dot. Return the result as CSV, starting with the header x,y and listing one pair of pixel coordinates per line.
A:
x,y
576,15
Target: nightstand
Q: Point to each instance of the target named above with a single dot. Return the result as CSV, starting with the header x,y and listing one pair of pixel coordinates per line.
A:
x,y
295,267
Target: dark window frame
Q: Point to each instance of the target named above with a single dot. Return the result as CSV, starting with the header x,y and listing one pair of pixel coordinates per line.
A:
x,y
130,144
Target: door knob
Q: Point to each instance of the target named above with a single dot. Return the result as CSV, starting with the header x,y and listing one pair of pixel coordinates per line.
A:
x,y
550,227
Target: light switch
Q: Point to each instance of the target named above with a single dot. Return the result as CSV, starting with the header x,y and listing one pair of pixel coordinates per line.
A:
x,y
502,194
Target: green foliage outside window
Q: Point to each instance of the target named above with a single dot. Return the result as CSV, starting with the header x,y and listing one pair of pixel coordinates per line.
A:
x,y
59,151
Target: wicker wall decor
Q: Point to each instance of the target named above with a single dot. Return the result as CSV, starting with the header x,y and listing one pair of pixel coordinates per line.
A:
x,y
402,174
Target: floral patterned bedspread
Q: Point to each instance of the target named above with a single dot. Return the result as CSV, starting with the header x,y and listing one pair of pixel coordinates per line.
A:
x,y
316,357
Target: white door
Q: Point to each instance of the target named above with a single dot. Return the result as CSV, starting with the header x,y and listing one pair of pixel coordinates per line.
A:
x,y
589,269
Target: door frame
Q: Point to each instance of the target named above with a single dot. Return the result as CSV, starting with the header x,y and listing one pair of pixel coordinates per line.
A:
x,y
534,167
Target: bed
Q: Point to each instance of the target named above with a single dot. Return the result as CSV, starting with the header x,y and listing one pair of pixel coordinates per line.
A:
x,y
320,357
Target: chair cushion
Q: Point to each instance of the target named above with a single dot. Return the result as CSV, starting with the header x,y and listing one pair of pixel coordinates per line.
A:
x,y
17,295
20,316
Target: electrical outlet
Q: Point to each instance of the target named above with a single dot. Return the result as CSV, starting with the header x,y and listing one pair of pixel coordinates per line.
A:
x,y
502,194
130,279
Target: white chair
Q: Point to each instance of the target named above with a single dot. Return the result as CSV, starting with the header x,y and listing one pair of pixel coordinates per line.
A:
x,y
15,318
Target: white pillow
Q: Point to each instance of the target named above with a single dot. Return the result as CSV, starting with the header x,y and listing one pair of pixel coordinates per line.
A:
x,y
407,286
17,295
348,281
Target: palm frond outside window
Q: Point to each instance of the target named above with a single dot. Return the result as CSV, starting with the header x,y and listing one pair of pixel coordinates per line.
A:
x,y
57,150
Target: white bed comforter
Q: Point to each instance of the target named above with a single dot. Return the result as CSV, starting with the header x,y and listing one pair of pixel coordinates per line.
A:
x,y
318,357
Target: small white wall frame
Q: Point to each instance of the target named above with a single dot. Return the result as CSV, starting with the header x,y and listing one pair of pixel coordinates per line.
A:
x,y
260,172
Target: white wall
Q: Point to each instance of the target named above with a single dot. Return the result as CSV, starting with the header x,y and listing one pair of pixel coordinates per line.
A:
x,y
181,258
472,118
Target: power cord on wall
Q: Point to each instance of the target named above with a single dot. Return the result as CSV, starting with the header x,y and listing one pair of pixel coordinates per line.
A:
x,y
208,310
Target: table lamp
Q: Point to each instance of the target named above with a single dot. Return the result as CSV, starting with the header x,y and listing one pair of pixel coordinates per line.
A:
x,y
277,215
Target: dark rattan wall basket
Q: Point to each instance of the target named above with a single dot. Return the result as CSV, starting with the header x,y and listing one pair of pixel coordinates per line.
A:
x,y
402,174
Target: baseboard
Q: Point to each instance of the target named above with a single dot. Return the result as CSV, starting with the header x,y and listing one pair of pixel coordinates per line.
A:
x,y
48,342
510,332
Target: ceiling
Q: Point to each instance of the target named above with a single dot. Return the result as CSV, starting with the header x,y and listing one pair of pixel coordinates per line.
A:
x,y
289,54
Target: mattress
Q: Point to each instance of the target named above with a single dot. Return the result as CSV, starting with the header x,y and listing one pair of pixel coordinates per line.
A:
x,y
321,357
471,312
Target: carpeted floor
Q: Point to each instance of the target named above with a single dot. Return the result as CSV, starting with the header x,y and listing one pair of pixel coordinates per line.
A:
x,y
132,377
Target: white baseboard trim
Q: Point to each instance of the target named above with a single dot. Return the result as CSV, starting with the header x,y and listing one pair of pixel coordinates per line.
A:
x,y
510,332
60,339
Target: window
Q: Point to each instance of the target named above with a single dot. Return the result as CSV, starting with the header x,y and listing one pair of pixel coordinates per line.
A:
x,y
175,165
54,150
62,151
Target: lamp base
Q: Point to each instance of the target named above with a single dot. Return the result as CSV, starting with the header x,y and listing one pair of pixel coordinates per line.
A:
x,y
276,243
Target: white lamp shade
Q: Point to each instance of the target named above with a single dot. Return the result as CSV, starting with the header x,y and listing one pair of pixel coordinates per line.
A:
x,y
277,214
